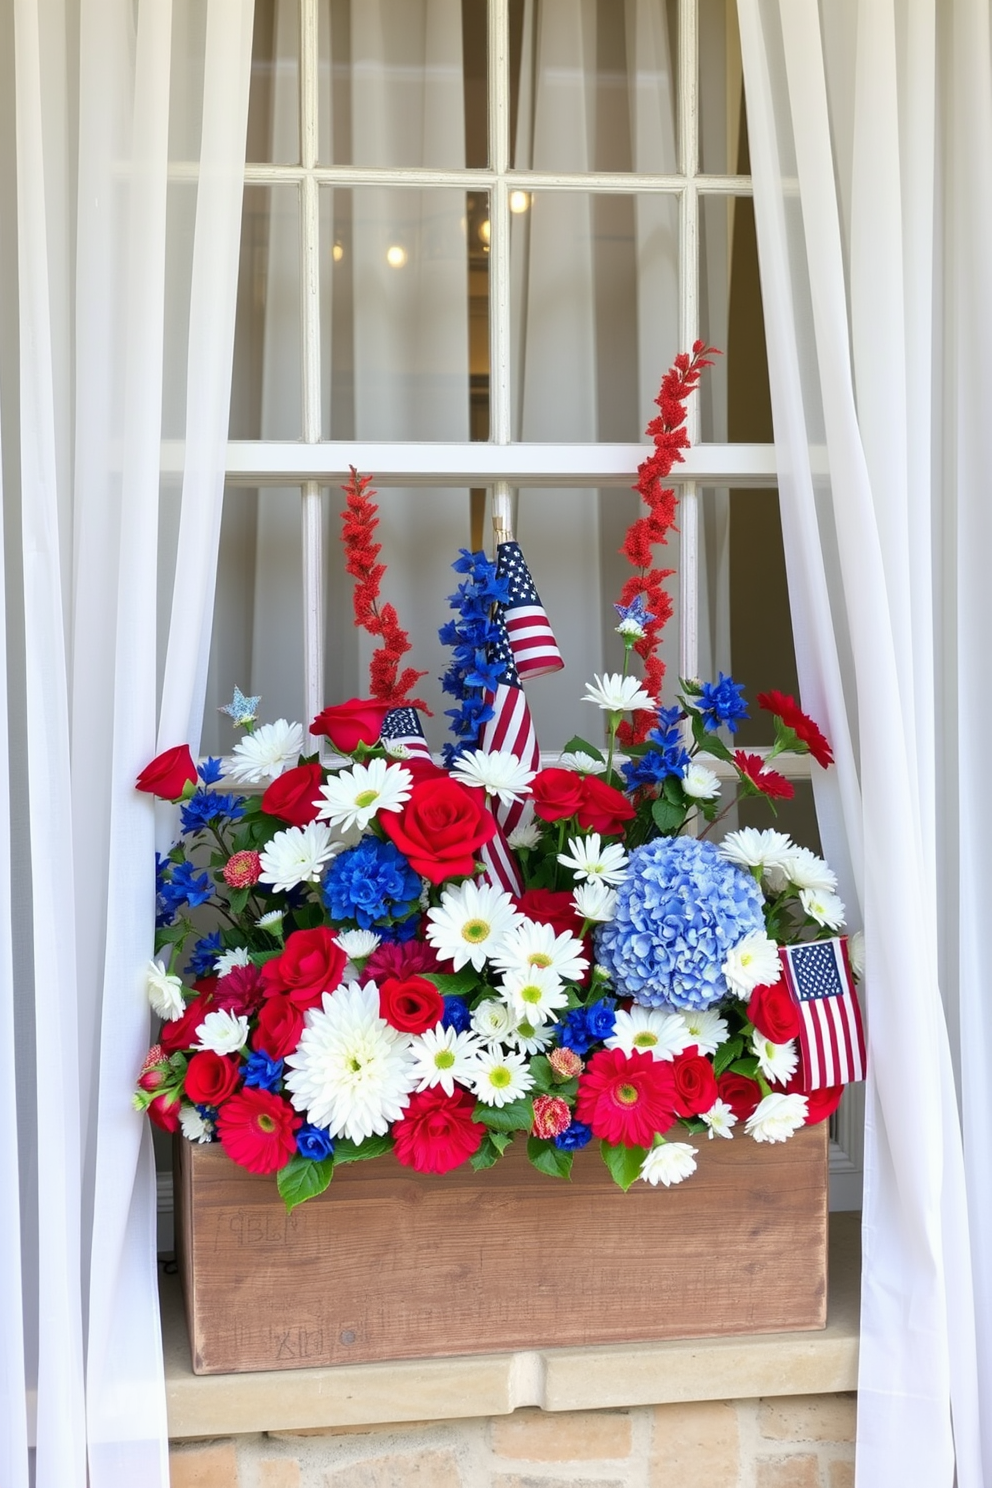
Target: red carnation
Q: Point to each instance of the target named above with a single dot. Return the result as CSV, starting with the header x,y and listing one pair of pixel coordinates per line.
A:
x,y
242,869
292,796
211,1078
741,1094
168,774
556,793
805,730
440,829
695,1084
604,809
257,1130
311,963
552,1116
393,959
358,721
412,1005
279,1028
436,1132
626,1097
769,782
240,991
773,1013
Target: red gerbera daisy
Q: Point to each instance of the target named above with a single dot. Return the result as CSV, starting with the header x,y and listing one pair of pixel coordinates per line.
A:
x,y
626,1097
805,730
769,782
257,1129
436,1132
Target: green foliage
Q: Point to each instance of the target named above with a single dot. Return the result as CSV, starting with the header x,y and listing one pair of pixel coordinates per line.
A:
x,y
346,1152
548,1158
623,1162
518,1115
494,1144
302,1178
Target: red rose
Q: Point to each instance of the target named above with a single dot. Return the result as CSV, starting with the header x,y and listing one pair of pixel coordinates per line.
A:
x,y
279,1028
211,1078
436,1132
312,962
291,796
551,907
741,1094
164,1110
820,1104
422,768
773,1013
168,774
626,1097
394,958
695,1084
181,1034
412,1005
440,829
604,809
241,991
352,723
258,1130
556,793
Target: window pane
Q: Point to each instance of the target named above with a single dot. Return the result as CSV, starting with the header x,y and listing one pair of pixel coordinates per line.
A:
x,y
403,82
402,281
734,398
722,148
266,391
595,313
593,87
274,96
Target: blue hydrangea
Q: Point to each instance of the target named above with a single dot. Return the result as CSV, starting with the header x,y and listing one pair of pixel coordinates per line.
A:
x,y
263,1072
314,1142
679,911
722,701
456,1014
573,1137
205,953
371,884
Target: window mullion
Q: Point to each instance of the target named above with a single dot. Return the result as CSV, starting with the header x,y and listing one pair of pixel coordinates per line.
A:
x,y
311,523
689,330
499,253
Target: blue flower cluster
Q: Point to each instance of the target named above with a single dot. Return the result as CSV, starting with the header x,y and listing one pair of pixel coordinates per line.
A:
x,y
210,771
666,757
205,953
262,1072
470,636
680,910
371,884
573,1137
585,1026
456,1014
177,884
722,702
314,1142
206,806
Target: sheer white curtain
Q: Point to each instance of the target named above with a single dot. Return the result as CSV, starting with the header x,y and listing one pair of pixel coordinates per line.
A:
x,y
95,90
871,145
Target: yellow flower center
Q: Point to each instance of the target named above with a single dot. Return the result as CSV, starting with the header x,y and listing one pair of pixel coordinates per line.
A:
x,y
500,1077
628,1095
527,1029
475,931
366,798
354,1064
444,1059
265,1123
531,993
645,1040
538,958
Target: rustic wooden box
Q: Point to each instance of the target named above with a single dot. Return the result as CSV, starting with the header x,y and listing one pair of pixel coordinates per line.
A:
x,y
390,1264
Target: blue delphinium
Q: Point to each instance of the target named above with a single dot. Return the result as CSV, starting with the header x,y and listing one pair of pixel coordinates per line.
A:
x,y
371,883
573,1137
205,806
205,953
470,636
210,771
680,909
263,1072
314,1142
456,1014
721,702
666,755
195,888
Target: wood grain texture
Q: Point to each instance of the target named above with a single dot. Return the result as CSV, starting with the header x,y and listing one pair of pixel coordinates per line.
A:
x,y
392,1264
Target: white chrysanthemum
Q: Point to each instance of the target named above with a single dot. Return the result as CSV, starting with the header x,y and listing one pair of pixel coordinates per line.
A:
x,y
720,1118
265,753
823,907
535,994
492,1020
650,1031
227,960
354,797
595,901
352,1072
499,1078
807,871
706,1029
498,772
777,1062
777,1117
527,835
196,1128
271,921
357,944
442,1056
582,763
588,858
617,694
766,850
700,784
222,1032
165,992
752,962
668,1163
529,1038
530,944
471,923
297,856
856,953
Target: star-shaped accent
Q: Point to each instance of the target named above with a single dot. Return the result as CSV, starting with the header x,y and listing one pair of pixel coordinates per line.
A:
x,y
242,709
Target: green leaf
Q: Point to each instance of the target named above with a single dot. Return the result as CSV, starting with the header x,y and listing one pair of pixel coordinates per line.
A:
x,y
302,1178
747,1066
706,742
517,1116
453,984
672,790
237,899
494,1144
543,1075
726,1054
346,1152
666,816
548,1158
577,744
623,1162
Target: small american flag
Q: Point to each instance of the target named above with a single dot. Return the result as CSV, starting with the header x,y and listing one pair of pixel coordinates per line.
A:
x,y
831,1037
535,650
402,726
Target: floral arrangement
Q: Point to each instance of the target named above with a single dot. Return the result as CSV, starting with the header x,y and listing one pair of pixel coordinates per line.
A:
x,y
338,978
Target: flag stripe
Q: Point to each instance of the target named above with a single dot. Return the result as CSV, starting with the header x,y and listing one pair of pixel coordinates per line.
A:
x,y
831,1037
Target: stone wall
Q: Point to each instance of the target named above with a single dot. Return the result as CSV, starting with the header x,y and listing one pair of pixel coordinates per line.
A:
x,y
792,1441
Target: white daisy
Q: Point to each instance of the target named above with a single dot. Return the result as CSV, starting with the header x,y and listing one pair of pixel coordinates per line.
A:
x,y
587,858
528,835
595,901
471,922
805,870
227,960
766,851
195,1127
752,962
700,784
530,1038
582,763
617,694
531,945
297,856
499,1078
165,991
353,797
777,1062
720,1118
498,772
265,753
357,944
706,1029
492,1020
823,907
535,994
649,1031
777,1117
856,953
668,1163
442,1056
222,1032
352,1072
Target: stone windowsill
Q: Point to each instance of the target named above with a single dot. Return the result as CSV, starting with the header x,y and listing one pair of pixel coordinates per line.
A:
x,y
496,1384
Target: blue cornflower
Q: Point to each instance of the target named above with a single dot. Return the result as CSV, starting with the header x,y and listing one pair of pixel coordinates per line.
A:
x,y
484,673
573,1137
722,702
654,766
601,1018
370,883
210,771
263,1072
314,1142
574,1033
456,1014
194,889
204,807
205,953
